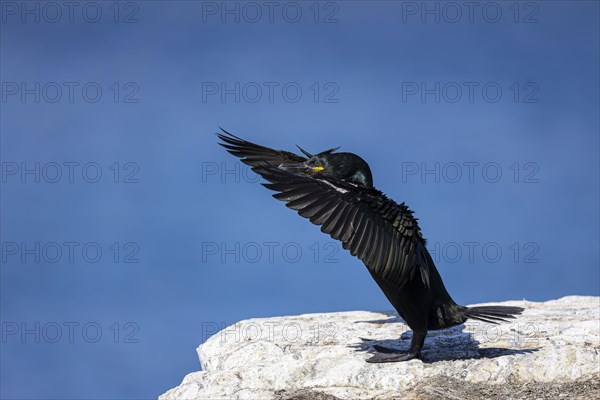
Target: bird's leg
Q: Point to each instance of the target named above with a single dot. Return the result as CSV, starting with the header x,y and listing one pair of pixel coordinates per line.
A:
x,y
385,355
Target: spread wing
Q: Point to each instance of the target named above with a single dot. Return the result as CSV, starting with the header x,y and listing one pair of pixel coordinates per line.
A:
x,y
374,228
253,154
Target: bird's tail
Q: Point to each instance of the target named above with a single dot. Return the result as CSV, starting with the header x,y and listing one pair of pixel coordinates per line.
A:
x,y
493,314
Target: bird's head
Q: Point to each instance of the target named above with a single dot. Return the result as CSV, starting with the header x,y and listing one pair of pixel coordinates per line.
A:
x,y
345,166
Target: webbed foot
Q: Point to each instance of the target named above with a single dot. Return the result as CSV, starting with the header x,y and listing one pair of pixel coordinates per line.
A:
x,y
387,355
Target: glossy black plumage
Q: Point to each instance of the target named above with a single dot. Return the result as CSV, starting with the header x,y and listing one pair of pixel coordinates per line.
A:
x,y
335,191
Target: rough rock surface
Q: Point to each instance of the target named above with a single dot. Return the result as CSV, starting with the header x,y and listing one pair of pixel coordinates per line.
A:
x,y
550,352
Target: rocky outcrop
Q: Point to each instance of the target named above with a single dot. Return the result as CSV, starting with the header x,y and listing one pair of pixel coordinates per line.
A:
x,y
551,351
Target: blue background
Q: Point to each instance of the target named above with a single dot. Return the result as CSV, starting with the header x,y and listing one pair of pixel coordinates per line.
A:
x,y
185,202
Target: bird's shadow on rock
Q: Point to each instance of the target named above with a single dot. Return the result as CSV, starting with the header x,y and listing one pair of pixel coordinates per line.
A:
x,y
455,343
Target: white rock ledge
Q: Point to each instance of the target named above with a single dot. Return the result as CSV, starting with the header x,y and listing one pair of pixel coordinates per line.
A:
x,y
551,351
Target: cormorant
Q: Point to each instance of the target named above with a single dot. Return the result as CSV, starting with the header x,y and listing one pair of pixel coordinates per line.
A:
x,y
335,191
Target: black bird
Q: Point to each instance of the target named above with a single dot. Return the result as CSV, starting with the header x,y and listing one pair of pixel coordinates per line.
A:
x,y
335,191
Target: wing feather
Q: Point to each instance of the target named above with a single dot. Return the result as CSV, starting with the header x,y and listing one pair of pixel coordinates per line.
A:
x,y
253,154
329,225
323,214
379,231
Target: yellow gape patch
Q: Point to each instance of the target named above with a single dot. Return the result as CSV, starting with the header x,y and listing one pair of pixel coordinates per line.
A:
x,y
317,169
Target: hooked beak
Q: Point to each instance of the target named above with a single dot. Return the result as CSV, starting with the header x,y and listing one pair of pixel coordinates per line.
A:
x,y
295,168
300,168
